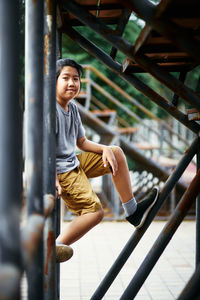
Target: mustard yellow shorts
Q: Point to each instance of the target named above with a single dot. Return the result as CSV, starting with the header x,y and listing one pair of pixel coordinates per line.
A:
x,y
76,189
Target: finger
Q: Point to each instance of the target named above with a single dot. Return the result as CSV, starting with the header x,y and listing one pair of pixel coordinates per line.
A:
x,y
59,191
114,166
105,162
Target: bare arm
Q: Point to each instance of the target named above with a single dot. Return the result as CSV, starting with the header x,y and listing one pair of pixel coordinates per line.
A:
x,y
107,155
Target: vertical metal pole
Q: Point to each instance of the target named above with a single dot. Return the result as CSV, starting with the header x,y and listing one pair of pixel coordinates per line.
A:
x,y
10,148
49,145
34,132
58,209
198,198
198,212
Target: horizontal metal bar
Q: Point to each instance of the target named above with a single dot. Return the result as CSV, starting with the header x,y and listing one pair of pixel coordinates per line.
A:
x,y
163,239
125,47
134,81
137,235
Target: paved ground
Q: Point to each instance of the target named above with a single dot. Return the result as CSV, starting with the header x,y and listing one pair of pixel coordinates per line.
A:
x,y
95,253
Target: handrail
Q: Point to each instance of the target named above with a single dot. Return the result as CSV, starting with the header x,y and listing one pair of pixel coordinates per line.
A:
x,y
111,98
130,113
132,100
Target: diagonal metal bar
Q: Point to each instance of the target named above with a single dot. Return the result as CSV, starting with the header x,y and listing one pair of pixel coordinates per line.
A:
x,y
120,28
124,46
133,115
163,239
135,102
192,288
152,15
182,77
137,235
130,150
167,79
134,81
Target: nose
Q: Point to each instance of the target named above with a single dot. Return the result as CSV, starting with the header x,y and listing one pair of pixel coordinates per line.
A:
x,y
71,81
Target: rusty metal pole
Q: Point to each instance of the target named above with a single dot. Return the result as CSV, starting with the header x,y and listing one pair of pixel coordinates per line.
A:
x,y
34,132
57,215
137,235
198,212
49,145
163,239
10,152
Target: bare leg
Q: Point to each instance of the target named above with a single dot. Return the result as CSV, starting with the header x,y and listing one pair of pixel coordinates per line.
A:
x,y
80,226
122,180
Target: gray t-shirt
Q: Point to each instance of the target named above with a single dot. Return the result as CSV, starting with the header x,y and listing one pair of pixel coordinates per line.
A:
x,y
69,128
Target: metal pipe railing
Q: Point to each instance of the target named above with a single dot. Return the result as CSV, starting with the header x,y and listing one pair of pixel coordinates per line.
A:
x,y
10,152
34,62
134,101
132,114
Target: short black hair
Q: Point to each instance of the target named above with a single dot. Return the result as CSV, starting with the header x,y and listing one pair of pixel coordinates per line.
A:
x,y
61,63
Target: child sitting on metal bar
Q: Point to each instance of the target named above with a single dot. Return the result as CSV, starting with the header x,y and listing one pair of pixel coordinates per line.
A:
x,y
73,171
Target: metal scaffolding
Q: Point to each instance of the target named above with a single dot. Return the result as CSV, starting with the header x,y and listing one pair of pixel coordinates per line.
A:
x,y
31,249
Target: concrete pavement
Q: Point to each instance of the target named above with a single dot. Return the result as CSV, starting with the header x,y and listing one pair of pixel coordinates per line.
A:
x,y
97,250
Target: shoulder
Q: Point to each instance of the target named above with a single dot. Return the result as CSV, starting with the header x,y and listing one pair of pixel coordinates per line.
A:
x,y
73,108
72,105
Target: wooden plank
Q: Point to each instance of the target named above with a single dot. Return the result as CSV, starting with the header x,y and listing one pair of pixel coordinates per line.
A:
x,y
193,114
126,130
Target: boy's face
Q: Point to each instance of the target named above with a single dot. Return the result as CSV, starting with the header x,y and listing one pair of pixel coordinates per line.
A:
x,y
68,84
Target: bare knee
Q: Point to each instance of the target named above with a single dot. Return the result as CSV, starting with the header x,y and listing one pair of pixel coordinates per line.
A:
x,y
99,216
119,154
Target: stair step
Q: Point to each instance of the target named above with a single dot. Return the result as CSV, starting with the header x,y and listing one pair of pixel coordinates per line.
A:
x,y
193,114
103,113
146,146
126,130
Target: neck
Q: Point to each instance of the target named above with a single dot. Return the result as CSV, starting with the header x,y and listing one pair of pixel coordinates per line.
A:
x,y
63,104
